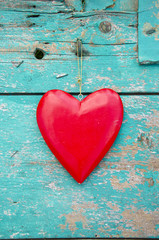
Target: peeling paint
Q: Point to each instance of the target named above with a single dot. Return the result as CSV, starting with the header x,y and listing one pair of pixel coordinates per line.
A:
x,y
140,221
147,27
14,235
113,206
72,219
119,199
84,206
150,181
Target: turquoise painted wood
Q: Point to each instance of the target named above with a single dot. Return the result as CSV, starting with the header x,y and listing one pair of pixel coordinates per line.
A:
x,y
67,27
111,5
148,29
68,6
116,72
119,45
90,5
40,199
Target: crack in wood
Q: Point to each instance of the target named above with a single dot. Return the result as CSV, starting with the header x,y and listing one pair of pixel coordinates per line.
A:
x,y
14,153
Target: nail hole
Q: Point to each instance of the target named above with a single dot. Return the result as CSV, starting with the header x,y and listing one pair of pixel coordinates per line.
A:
x,y
39,53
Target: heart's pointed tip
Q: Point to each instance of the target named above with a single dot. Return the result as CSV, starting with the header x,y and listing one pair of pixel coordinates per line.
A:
x,y
80,180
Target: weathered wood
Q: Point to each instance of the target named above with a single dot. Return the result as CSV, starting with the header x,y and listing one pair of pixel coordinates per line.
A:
x,y
111,5
34,6
121,73
148,31
65,27
68,5
56,34
16,50
89,5
40,199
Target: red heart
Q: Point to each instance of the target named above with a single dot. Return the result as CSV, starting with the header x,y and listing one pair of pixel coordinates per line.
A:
x,y
79,133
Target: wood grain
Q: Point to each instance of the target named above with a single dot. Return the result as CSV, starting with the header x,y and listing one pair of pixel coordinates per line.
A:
x,y
148,29
73,6
40,199
68,27
116,72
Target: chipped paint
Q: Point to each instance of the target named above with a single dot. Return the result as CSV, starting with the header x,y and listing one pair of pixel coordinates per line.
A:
x,y
139,221
150,181
120,197
129,6
54,187
84,206
132,181
148,32
113,206
72,219
14,235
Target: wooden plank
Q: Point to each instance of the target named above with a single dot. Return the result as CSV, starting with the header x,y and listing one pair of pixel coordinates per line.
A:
x,y
148,32
40,199
89,5
121,73
17,50
91,27
34,6
68,5
125,6
111,5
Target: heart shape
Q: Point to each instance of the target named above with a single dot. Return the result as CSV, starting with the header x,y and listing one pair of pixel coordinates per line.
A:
x,y
79,133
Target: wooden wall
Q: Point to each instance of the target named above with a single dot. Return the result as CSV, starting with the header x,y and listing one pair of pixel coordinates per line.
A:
x,y
38,198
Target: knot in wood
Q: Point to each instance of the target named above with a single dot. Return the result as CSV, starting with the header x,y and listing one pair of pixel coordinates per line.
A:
x,y
105,27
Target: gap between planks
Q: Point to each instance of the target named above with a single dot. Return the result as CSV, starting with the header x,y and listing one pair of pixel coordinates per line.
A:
x,y
85,93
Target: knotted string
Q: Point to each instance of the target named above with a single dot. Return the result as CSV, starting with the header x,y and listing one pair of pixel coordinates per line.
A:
x,y
79,43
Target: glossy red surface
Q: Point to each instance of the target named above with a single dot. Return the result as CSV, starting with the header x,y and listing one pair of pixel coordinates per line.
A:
x,y
79,133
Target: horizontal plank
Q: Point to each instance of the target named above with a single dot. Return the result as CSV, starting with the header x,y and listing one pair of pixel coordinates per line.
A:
x,y
40,199
68,5
87,5
34,6
17,50
111,5
121,73
148,32
98,28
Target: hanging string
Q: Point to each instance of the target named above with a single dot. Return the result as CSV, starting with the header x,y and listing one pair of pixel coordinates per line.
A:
x,y
79,56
